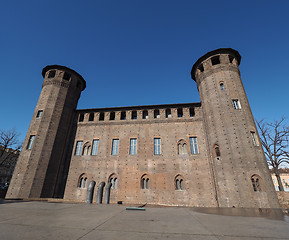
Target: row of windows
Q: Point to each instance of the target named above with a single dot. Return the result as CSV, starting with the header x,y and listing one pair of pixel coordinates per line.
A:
x,y
144,184
134,114
88,150
178,182
66,75
215,60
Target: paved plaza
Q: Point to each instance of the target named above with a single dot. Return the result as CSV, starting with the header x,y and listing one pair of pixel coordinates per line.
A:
x,y
45,220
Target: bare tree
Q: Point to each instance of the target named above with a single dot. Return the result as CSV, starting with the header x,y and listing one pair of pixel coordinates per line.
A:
x,y
9,144
275,140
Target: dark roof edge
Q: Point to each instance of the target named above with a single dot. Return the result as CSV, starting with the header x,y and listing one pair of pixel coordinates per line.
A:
x,y
49,67
214,52
197,104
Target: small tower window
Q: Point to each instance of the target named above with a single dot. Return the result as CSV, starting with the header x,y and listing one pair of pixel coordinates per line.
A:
x,y
168,113
217,152
39,114
156,113
253,135
192,112
51,74
101,116
86,149
180,112
222,86
82,182
236,104
30,142
91,117
231,58
201,67
255,179
112,116
215,60
145,114
123,115
134,115
78,148
66,76
81,117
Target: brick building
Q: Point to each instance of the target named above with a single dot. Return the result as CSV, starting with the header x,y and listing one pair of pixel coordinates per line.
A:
x,y
203,154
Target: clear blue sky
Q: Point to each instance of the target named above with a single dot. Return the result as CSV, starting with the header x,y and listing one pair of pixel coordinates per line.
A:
x,y
140,52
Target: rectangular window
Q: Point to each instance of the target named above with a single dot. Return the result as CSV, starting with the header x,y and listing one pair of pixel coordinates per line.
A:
x,y
156,113
168,113
101,116
194,145
115,145
81,117
91,117
39,114
236,104
30,142
133,146
180,112
78,148
94,149
134,115
157,146
253,134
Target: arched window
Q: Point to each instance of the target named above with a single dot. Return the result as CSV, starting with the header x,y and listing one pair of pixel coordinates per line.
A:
x,y
86,149
179,182
82,182
113,180
217,152
182,147
255,179
145,182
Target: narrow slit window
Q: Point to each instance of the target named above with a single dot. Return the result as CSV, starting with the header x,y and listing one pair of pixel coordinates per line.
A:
x,y
123,115
192,112
39,114
91,117
156,113
253,135
215,60
81,117
180,112
168,113
112,116
101,116
145,114
222,86
30,142
134,115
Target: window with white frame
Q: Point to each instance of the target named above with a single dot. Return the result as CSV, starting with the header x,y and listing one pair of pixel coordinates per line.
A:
x,y
133,146
157,146
78,148
236,104
94,149
115,145
255,141
194,145
30,142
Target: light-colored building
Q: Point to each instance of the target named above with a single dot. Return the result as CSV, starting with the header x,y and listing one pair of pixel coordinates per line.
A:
x,y
284,179
204,154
